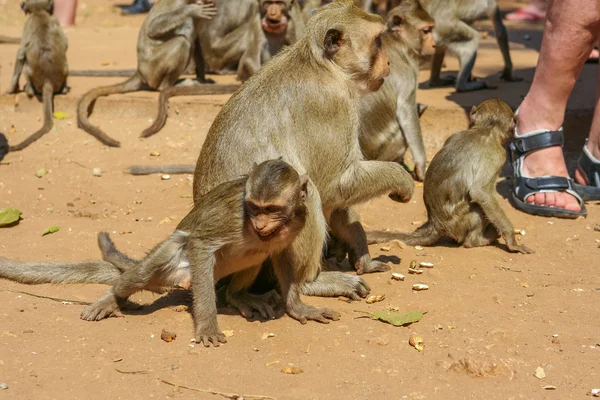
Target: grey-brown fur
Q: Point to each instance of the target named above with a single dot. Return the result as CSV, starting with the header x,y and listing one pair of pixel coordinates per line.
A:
x,y
43,56
454,32
460,185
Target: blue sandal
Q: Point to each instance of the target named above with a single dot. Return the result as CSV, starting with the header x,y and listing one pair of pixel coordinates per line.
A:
x,y
590,167
524,186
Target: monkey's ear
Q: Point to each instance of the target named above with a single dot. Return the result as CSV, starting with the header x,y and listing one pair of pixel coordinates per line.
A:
x,y
472,116
50,6
24,7
333,41
304,186
395,22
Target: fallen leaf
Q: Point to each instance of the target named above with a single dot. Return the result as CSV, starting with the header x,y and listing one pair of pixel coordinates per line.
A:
x,y
292,370
50,230
41,172
397,318
9,216
61,115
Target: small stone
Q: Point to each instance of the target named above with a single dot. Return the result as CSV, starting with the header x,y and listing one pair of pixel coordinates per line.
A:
x,y
3,386
593,392
539,373
385,248
165,177
292,370
154,154
419,248
527,37
97,171
228,333
174,367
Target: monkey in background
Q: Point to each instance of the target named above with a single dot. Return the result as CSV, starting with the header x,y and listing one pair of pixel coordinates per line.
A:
x,y
460,185
43,54
166,44
232,227
389,121
453,31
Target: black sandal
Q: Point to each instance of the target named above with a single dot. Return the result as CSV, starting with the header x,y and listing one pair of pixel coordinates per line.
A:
x,y
524,186
590,167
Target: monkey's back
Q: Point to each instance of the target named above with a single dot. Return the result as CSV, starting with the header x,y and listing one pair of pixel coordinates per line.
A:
x,y
45,51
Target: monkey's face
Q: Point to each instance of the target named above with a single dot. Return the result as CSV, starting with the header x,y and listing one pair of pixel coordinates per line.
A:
x,y
30,6
275,15
411,24
274,202
360,53
427,39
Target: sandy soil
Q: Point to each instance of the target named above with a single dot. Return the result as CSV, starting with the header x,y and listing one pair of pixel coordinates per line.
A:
x,y
492,317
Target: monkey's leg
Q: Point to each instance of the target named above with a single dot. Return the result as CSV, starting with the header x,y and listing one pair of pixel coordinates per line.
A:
x,y
365,180
408,118
19,63
199,61
300,263
482,235
237,295
494,213
345,226
502,39
202,263
464,46
436,68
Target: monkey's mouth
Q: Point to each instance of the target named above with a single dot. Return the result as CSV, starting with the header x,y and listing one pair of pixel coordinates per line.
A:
x,y
268,235
274,26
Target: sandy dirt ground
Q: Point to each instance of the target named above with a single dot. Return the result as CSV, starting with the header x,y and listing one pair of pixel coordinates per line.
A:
x,y
493,318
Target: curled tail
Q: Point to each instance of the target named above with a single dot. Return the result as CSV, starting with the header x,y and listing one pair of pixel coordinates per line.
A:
x,y
424,235
86,105
161,117
161,169
34,273
47,96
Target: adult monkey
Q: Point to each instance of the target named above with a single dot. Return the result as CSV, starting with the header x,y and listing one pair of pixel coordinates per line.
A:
x,y
390,117
166,44
453,31
303,106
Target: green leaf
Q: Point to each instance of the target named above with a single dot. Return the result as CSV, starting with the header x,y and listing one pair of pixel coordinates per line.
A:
x,y
9,216
50,230
61,115
397,318
41,172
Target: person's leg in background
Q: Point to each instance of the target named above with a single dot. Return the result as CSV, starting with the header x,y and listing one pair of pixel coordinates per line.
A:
x,y
64,11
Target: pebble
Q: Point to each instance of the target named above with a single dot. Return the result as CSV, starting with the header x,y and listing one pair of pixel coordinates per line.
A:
x,y
165,177
3,386
97,171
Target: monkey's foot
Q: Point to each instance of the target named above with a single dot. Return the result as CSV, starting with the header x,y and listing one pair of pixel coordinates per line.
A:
x,y
303,313
13,89
520,248
208,335
105,307
442,82
473,85
508,76
366,265
247,303
336,283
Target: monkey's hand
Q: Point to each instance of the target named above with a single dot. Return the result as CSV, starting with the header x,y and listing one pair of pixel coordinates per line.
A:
x,y
367,265
106,306
205,11
303,313
248,303
520,248
207,333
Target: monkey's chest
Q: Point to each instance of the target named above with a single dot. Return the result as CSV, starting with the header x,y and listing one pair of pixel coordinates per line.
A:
x,y
233,261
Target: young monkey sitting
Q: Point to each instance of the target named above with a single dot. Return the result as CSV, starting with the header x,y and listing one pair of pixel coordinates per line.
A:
x,y
459,188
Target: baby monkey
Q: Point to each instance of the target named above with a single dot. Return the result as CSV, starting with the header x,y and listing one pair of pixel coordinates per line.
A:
x,y
459,188
43,54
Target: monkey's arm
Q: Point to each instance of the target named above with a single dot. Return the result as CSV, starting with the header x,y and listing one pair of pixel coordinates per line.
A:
x,y
494,213
203,263
408,118
168,22
19,63
365,180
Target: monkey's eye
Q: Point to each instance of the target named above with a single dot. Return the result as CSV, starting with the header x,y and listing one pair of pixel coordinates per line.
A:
x,y
427,30
272,209
251,208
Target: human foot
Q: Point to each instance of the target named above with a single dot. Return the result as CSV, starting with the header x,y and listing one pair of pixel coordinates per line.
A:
x,y
529,13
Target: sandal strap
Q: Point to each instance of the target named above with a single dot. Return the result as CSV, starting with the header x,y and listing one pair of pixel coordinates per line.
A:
x,y
590,168
525,187
522,145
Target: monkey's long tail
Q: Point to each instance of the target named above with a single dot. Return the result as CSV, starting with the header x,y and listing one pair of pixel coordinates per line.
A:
x,y
104,73
86,104
34,273
47,95
163,99
8,39
424,235
161,169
